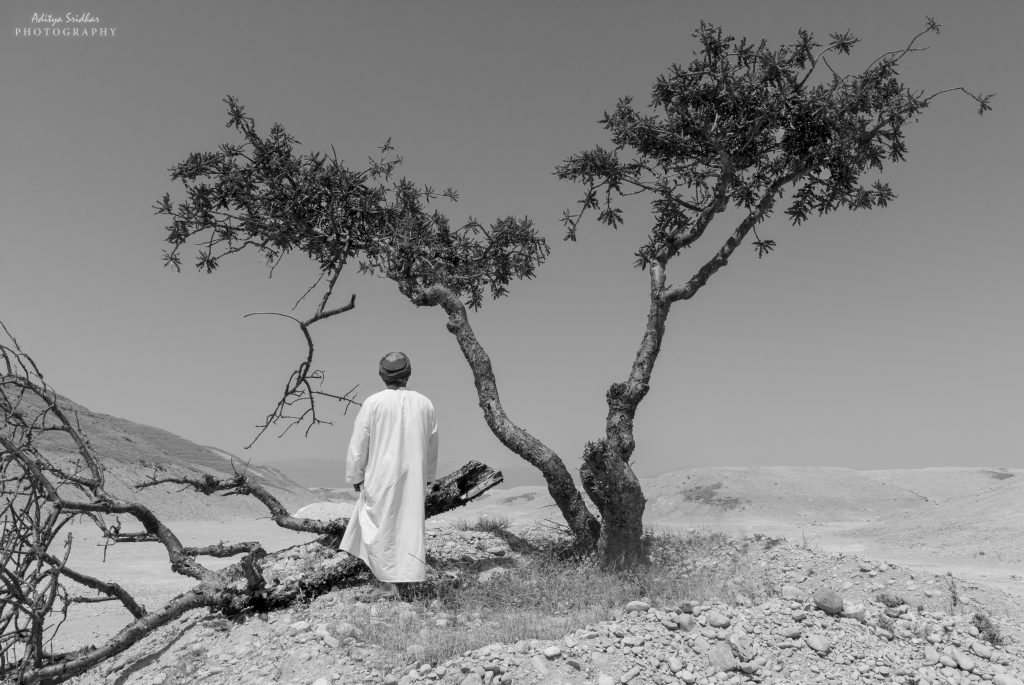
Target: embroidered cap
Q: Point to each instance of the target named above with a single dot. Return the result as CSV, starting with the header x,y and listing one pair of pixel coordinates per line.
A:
x,y
395,367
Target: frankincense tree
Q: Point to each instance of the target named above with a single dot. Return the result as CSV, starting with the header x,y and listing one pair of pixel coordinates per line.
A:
x,y
742,126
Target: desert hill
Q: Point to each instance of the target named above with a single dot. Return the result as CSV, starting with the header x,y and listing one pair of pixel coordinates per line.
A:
x,y
778,493
945,484
132,453
311,472
975,520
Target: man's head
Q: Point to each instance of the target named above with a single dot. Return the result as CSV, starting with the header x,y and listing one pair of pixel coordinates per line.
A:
x,y
395,368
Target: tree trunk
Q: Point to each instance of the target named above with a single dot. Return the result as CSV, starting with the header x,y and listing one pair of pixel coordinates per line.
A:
x,y
607,476
583,524
614,488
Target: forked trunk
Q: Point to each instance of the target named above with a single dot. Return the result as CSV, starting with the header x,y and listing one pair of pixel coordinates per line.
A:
x,y
607,475
584,525
614,488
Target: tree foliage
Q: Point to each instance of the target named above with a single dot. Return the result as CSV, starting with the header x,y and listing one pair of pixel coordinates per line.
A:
x,y
260,193
742,122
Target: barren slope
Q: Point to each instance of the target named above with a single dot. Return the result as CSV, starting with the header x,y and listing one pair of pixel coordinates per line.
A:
x,y
945,483
132,453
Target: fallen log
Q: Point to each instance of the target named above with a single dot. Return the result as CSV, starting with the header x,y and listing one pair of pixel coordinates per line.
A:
x,y
242,587
461,487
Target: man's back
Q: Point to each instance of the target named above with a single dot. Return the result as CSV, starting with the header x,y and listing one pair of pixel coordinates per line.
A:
x,y
392,454
395,428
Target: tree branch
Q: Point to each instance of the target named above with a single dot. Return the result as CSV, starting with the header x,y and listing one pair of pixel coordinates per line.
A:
x,y
112,590
299,388
721,258
224,549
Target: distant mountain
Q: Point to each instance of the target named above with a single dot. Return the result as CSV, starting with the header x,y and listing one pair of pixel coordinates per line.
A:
x,y
311,472
132,453
518,473
330,473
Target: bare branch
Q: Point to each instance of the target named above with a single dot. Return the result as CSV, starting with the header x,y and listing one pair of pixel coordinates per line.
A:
x,y
299,388
113,591
224,549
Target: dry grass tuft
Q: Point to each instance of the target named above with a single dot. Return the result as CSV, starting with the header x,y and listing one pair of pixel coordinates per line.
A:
x,y
890,600
551,592
988,630
495,524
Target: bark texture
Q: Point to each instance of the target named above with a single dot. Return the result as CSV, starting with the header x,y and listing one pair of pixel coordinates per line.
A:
x,y
607,475
581,521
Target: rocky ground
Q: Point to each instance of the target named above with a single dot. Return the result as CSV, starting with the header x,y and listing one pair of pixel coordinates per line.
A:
x,y
822,618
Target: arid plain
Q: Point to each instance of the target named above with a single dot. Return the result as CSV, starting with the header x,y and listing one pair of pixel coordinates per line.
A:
x,y
968,521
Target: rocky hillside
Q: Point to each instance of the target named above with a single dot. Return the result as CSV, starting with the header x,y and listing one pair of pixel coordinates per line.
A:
x,y
829,618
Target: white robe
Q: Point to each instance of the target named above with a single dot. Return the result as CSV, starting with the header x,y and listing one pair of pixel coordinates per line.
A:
x,y
393,452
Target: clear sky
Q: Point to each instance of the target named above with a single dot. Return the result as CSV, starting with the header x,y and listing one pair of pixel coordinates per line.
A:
x,y
870,340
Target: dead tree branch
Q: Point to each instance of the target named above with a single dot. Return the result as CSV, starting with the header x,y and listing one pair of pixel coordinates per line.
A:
x,y
35,506
305,384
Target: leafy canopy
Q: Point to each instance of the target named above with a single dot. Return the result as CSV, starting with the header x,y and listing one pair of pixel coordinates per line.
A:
x,y
740,123
261,194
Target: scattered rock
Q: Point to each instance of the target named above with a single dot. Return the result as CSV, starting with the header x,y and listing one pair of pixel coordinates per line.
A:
x,y
858,612
637,606
819,643
964,661
721,658
298,627
1006,679
792,593
790,632
717,620
982,650
742,646
828,600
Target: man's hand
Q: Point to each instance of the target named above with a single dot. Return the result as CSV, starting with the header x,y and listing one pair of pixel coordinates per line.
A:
x,y
358,487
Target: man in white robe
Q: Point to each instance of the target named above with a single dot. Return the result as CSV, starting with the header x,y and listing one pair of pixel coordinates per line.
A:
x,y
392,459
